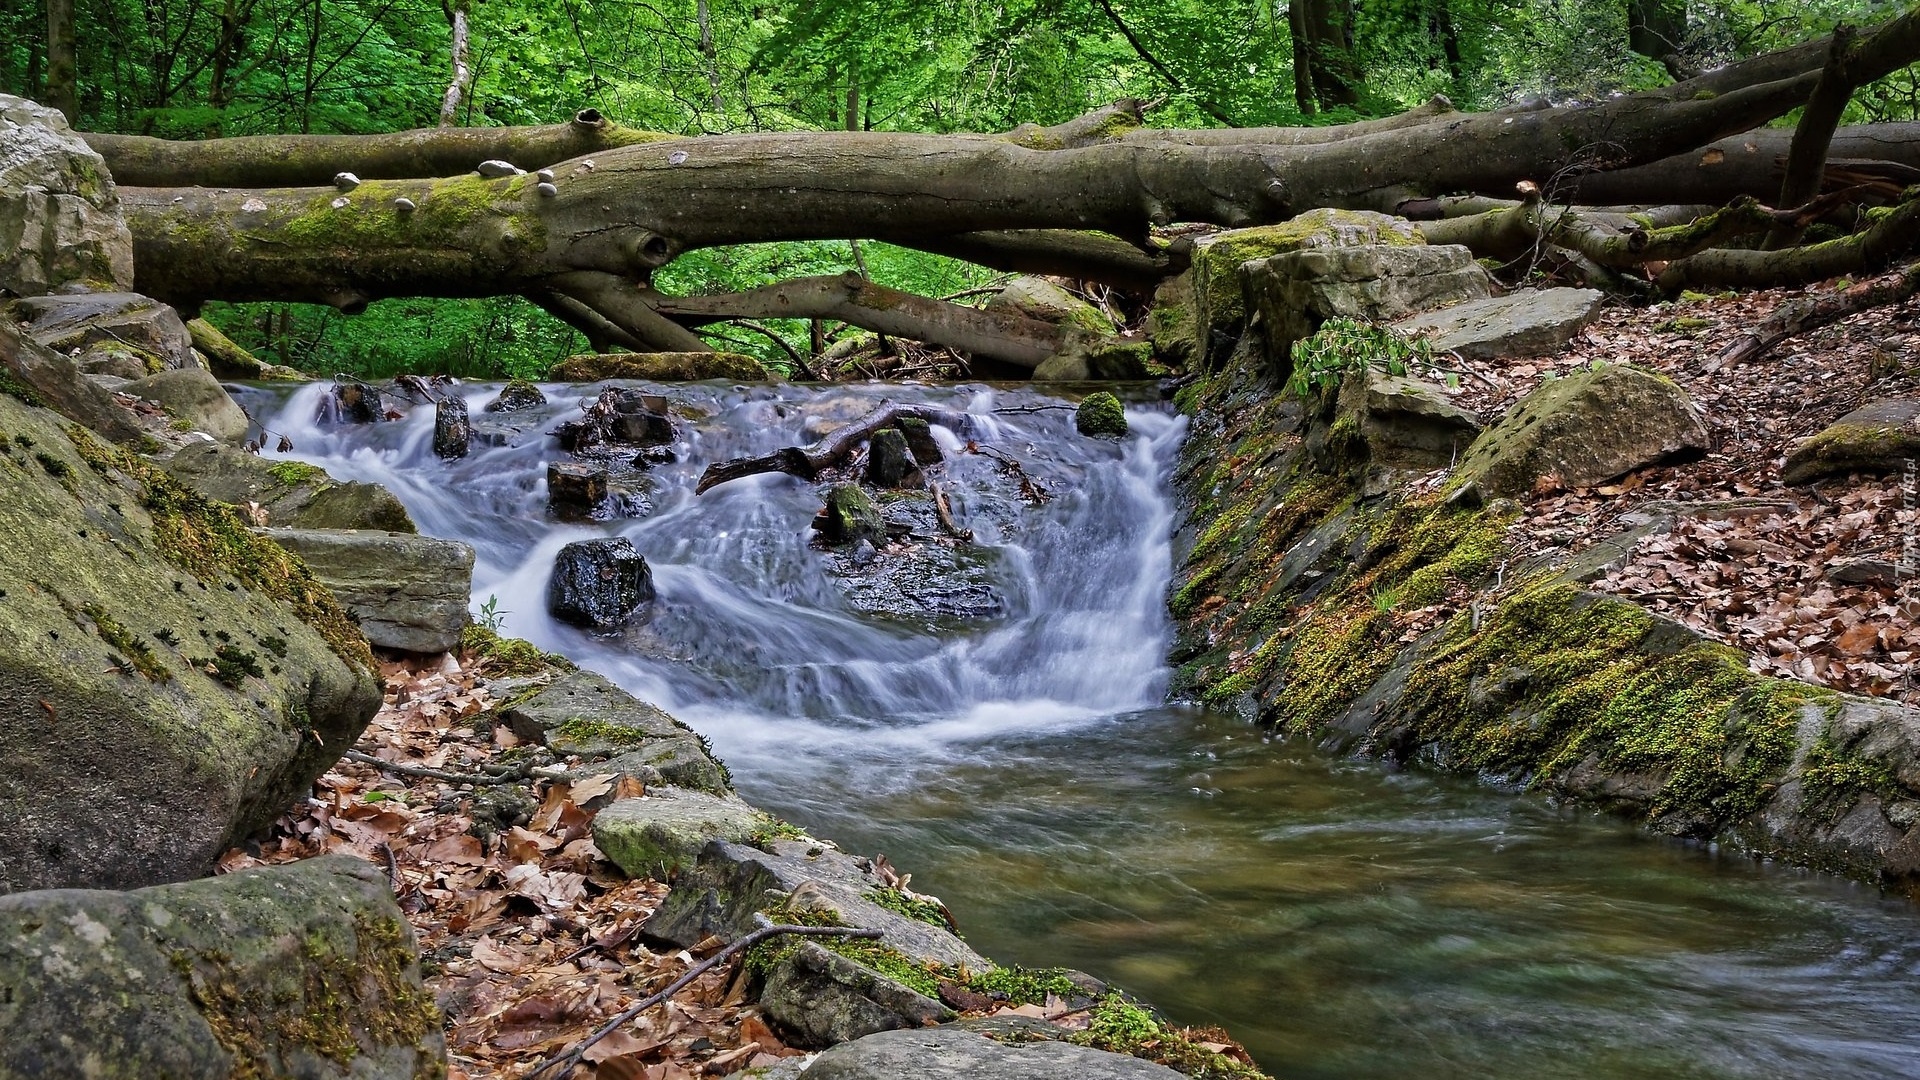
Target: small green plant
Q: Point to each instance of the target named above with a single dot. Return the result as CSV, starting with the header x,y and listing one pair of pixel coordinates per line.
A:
x,y
491,616
1342,345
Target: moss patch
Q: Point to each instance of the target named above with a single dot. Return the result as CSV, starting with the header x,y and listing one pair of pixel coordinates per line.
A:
x,y
509,657
211,541
136,652
1120,1026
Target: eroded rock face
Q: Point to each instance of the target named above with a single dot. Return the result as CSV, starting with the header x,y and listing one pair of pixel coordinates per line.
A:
x,y
405,591
41,376
600,583
1584,429
173,682
1878,437
1402,421
306,969
60,221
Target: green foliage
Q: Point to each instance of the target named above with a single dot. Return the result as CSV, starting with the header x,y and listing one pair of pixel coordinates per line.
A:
x,y
1342,345
493,338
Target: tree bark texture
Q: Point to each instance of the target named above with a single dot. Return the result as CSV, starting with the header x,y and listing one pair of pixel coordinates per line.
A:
x,y
62,60
459,53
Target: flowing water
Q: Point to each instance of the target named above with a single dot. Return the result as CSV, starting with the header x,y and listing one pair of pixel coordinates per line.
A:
x,y
1341,919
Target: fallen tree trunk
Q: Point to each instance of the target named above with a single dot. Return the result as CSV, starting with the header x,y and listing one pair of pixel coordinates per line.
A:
x,y
1812,312
1871,251
852,299
808,462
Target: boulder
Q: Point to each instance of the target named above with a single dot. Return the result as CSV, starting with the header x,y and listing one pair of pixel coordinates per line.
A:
x,y
1879,437
289,493
1296,292
660,367
663,833
1100,414
850,517
60,221
1530,322
151,329
583,713
817,994
1197,316
228,360
963,1052
599,583
406,591
1038,298
36,375
920,440
173,682
452,433
306,969
1402,421
1583,429
889,463
196,401
516,395
575,489
1103,358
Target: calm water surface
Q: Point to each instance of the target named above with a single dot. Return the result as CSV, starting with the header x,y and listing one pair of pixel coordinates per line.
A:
x,y
1340,919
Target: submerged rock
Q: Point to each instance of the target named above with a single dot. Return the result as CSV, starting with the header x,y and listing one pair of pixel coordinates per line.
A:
x,y
931,584
306,969
920,440
575,489
600,583
1583,429
849,517
354,403
516,395
1101,414
452,433
889,463
1879,437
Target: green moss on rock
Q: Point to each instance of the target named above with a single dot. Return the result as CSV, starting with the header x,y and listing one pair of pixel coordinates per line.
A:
x,y
1101,414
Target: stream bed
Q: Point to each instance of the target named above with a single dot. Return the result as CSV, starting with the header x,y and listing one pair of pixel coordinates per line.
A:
x,y
1015,755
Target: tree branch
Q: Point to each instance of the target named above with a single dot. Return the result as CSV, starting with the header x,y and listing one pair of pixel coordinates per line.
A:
x,y
807,462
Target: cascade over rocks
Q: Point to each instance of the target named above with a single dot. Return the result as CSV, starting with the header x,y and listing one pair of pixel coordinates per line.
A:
x,y
1583,429
175,681
601,583
60,221
306,969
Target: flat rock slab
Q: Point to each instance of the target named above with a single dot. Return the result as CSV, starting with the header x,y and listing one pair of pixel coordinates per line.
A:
x,y
1878,437
1583,429
408,592
957,1053
290,493
268,972
68,322
585,714
664,832
1525,323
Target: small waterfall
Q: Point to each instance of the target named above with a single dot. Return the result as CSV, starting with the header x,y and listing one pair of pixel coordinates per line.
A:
x,y
751,641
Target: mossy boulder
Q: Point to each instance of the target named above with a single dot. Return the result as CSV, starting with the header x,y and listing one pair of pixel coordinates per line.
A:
x,y
849,517
196,401
1198,321
307,969
585,714
664,832
1100,414
76,321
1038,298
516,395
32,373
173,682
1583,429
60,220
660,367
1400,421
1297,291
1879,437
289,493
1101,358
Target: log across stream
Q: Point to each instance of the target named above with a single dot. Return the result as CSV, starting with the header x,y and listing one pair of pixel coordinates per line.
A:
x,y
1013,752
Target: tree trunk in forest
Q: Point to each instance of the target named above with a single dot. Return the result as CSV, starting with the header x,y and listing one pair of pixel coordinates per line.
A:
x,y
62,64
1323,35
459,52
1656,28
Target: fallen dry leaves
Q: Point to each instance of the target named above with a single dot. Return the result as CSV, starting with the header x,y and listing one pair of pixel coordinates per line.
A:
x,y
1749,561
529,936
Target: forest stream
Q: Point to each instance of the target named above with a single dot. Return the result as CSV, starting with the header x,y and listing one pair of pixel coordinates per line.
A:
x,y
1016,757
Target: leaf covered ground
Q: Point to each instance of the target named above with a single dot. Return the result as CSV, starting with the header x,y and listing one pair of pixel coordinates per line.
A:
x,y
1804,579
